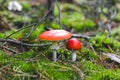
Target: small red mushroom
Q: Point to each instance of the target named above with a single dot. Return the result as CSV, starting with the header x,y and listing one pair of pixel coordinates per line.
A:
x,y
55,35
73,44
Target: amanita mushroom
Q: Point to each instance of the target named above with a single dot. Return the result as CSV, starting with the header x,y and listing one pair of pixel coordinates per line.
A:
x,y
55,35
73,44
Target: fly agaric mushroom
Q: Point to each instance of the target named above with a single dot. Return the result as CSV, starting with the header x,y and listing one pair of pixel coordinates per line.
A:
x,y
55,35
73,44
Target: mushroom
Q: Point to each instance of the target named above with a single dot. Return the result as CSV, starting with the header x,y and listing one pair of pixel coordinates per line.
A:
x,y
14,6
73,44
54,36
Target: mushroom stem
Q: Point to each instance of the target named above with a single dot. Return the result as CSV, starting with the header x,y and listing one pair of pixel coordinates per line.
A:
x,y
74,56
54,55
54,48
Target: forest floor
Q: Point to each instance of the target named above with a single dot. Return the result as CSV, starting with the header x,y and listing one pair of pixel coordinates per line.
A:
x,y
24,57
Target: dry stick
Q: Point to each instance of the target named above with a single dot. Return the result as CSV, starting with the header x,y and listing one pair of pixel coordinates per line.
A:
x,y
13,34
51,4
20,30
81,36
26,75
9,49
59,14
19,42
77,36
31,25
31,45
45,15
22,43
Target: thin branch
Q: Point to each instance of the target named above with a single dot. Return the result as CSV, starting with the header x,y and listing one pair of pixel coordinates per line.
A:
x,y
26,75
51,4
113,57
9,49
80,36
59,14
22,43
20,30
44,16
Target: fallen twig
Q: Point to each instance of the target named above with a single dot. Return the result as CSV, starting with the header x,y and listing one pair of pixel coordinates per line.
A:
x,y
22,43
81,36
40,21
20,30
26,75
113,57
9,49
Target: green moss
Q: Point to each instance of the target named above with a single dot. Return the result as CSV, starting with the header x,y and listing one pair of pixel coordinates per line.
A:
x,y
88,54
88,65
77,21
98,72
25,66
26,5
103,75
1,35
37,60
57,71
103,43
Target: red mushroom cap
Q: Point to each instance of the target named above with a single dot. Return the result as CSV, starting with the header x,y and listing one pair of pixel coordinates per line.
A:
x,y
55,35
73,44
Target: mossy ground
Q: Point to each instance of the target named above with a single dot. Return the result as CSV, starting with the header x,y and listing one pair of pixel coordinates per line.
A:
x,y
36,64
